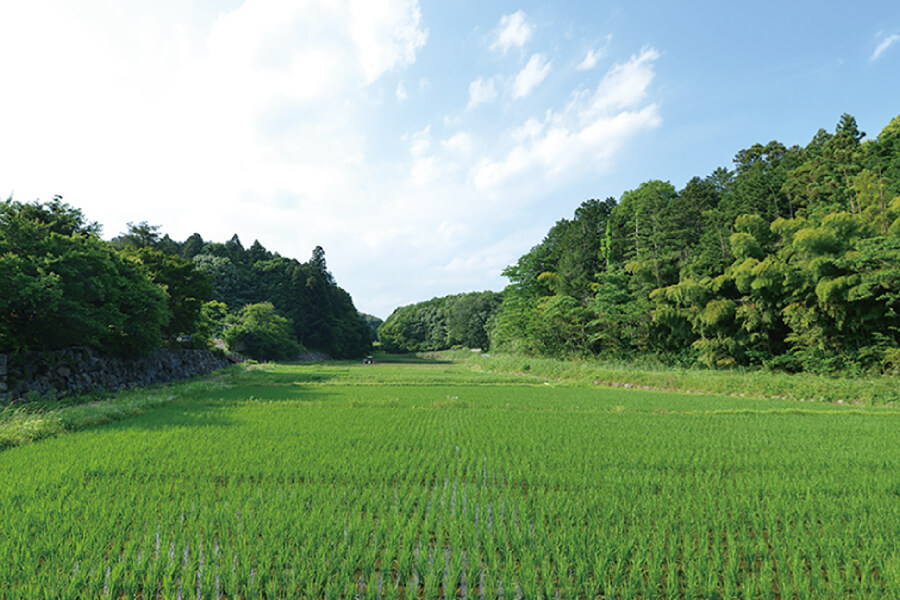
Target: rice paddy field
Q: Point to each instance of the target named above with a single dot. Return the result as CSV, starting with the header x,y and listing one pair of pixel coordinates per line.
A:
x,y
434,480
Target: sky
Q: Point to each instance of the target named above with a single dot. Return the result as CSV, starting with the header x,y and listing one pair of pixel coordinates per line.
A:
x,y
425,145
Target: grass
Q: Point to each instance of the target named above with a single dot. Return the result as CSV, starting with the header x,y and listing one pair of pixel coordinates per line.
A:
x,y
41,418
876,390
425,479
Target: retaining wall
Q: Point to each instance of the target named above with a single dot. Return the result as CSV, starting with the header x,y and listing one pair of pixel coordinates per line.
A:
x,y
80,370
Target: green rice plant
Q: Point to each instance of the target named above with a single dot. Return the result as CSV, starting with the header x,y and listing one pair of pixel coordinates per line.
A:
x,y
338,482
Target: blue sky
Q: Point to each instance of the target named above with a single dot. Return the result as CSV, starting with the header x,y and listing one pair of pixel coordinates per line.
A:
x,y
425,145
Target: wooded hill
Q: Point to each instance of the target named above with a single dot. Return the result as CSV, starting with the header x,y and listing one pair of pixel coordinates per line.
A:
x,y
440,323
65,286
790,260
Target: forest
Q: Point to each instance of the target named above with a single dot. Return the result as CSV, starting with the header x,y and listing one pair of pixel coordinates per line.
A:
x,y
440,323
790,260
142,290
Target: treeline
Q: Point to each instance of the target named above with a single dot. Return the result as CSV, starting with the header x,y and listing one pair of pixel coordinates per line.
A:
x,y
62,285
321,313
790,260
440,323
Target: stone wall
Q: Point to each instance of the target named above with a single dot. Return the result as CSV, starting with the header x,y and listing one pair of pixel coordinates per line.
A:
x,y
80,370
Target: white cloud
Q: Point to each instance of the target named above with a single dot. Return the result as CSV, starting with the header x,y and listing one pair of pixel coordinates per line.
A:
x,y
593,56
460,143
401,94
884,45
314,43
481,91
250,121
585,134
529,77
265,121
386,32
626,84
420,142
513,31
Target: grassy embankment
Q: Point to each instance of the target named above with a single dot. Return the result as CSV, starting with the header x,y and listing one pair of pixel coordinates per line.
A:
x,y
869,391
23,422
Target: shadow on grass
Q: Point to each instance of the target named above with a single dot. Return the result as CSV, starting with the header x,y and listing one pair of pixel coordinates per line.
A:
x,y
215,409
276,377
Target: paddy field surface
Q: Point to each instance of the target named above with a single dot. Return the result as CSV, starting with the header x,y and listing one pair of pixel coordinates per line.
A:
x,y
427,479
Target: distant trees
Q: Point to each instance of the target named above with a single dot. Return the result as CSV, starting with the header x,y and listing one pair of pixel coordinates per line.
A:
x,y
373,323
321,313
439,323
790,261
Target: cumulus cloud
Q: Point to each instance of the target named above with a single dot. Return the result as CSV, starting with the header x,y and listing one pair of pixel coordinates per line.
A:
x,y
401,92
387,33
584,134
314,43
513,32
481,91
531,75
883,46
250,120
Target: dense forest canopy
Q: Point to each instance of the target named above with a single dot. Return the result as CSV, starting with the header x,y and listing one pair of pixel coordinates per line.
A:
x,y
790,260
64,286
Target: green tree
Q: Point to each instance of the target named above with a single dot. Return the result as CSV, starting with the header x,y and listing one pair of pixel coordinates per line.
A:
x,y
63,286
373,323
468,316
261,333
187,288
139,235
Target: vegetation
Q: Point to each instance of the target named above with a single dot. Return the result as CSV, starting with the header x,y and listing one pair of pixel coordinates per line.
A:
x,y
262,333
873,390
789,261
64,286
440,323
437,481
321,314
46,416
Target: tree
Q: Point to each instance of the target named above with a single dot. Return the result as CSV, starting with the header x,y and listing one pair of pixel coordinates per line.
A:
x,y
645,235
373,323
468,316
140,235
187,288
192,246
63,286
261,333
